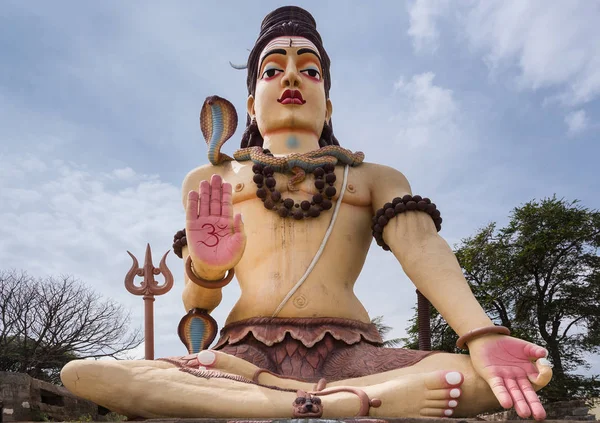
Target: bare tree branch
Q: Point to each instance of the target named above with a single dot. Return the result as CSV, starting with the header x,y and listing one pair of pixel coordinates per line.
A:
x,y
46,323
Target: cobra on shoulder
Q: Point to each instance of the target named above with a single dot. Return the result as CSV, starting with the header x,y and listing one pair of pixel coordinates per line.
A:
x,y
218,122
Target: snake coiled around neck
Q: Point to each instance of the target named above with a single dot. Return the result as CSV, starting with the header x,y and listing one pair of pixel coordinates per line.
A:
x,y
218,122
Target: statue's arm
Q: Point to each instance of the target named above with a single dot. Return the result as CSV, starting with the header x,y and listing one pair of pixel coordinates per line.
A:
x,y
426,257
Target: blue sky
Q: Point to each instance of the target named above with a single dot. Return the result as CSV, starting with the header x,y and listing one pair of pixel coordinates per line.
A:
x,y
483,105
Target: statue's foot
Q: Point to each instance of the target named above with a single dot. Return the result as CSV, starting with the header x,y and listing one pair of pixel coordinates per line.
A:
x,y
218,361
433,394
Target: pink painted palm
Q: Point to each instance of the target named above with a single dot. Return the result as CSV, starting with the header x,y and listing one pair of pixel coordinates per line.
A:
x,y
508,365
216,239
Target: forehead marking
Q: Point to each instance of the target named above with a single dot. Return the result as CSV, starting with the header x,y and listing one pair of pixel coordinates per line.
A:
x,y
283,42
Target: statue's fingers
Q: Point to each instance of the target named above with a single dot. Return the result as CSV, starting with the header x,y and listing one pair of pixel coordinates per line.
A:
x,y
215,195
532,399
543,375
204,198
191,209
226,203
534,351
519,402
238,224
500,391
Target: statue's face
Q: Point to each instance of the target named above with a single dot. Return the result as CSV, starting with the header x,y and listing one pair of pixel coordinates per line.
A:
x,y
290,93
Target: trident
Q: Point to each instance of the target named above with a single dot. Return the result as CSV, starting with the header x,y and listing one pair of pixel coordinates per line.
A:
x,y
149,288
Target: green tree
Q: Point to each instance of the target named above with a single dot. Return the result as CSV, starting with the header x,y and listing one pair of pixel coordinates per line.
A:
x,y
443,338
45,323
383,330
540,277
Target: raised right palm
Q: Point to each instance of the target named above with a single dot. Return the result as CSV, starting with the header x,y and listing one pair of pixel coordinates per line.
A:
x,y
215,239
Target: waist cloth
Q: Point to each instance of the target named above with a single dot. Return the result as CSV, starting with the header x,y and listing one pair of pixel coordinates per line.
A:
x,y
311,348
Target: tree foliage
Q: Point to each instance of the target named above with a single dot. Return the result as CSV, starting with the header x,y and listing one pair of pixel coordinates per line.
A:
x,y
45,323
540,277
383,330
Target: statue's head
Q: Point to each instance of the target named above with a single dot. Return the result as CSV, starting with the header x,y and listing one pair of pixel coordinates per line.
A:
x,y
288,56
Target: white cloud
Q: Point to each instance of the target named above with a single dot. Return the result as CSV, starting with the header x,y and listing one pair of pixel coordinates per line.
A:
x,y
577,122
67,210
59,218
423,18
137,353
550,44
33,164
428,113
126,173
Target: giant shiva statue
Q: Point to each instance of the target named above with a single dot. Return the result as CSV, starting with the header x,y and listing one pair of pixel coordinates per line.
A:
x,y
299,342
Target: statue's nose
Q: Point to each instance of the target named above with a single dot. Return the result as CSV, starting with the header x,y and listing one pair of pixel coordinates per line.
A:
x,y
291,77
309,406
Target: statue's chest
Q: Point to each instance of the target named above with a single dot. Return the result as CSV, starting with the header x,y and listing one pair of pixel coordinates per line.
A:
x,y
245,188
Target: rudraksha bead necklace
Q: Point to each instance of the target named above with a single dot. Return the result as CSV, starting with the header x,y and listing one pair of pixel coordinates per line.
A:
x,y
398,206
263,177
272,199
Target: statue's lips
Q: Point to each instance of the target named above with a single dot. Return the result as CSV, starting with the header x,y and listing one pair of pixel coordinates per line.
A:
x,y
291,97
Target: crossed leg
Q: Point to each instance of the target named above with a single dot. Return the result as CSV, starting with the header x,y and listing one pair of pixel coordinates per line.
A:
x,y
440,385
155,389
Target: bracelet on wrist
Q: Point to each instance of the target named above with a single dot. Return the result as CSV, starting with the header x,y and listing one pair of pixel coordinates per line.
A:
x,y
220,283
476,333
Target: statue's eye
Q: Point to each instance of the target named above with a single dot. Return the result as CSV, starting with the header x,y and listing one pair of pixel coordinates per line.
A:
x,y
270,73
312,72
316,400
300,400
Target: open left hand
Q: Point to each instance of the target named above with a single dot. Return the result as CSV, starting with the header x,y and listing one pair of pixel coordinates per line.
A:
x,y
510,367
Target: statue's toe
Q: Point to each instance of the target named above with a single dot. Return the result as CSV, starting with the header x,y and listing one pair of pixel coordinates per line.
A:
x,y
75,374
443,392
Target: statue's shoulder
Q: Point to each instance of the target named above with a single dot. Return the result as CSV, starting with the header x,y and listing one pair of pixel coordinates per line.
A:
x,y
375,171
193,178
383,180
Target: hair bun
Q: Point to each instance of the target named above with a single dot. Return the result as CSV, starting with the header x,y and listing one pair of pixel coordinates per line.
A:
x,y
289,15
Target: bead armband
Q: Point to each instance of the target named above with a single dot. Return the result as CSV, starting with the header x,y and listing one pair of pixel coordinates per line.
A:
x,y
398,206
179,241
476,333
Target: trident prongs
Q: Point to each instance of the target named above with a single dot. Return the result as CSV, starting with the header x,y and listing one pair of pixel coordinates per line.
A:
x,y
148,287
